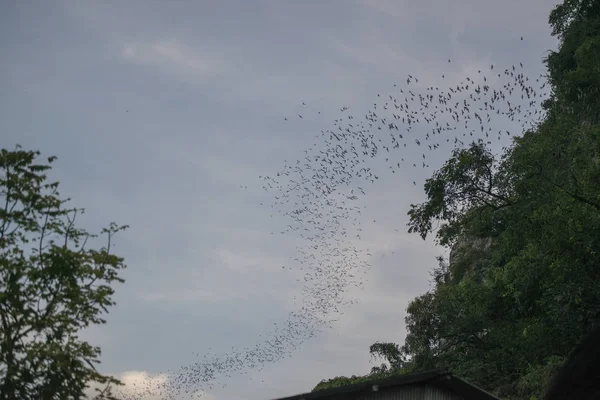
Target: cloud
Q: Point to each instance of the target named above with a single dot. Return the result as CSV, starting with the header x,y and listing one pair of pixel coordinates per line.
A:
x,y
254,266
141,382
135,383
174,58
150,386
144,385
207,90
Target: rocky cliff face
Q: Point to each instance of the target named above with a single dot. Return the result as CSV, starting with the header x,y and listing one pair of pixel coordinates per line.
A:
x,y
467,254
467,245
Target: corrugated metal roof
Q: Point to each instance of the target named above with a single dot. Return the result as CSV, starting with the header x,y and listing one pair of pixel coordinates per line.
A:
x,y
417,391
438,378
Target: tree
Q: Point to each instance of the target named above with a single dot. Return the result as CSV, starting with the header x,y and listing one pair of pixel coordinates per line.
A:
x,y
52,285
534,296
394,360
579,377
467,181
394,363
507,318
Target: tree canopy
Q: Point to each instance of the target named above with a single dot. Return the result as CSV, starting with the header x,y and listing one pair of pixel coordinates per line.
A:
x,y
506,316
53,284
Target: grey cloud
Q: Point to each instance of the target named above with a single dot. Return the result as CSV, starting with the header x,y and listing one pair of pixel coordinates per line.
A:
x,y
159,112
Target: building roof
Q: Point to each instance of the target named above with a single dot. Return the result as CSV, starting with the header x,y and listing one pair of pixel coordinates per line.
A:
x,y
438,377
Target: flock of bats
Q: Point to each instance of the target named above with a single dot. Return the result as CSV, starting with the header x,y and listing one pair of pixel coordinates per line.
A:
x,y
318,194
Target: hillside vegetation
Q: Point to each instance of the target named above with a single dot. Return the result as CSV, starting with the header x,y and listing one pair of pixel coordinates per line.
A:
x,y
506,315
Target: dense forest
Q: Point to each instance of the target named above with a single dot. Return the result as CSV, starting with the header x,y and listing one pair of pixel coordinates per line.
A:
x,y
522,286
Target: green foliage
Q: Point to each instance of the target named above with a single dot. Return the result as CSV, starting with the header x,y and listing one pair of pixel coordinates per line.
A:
x,y
564,15
505,317
51,286
392,356
465,183
394,363
574,70
340,381
533,383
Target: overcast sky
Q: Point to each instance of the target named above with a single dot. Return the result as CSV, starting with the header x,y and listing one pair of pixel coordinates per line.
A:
x,y
159,111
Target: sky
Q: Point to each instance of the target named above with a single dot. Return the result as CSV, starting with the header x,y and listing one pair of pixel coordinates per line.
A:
x,y
160,111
